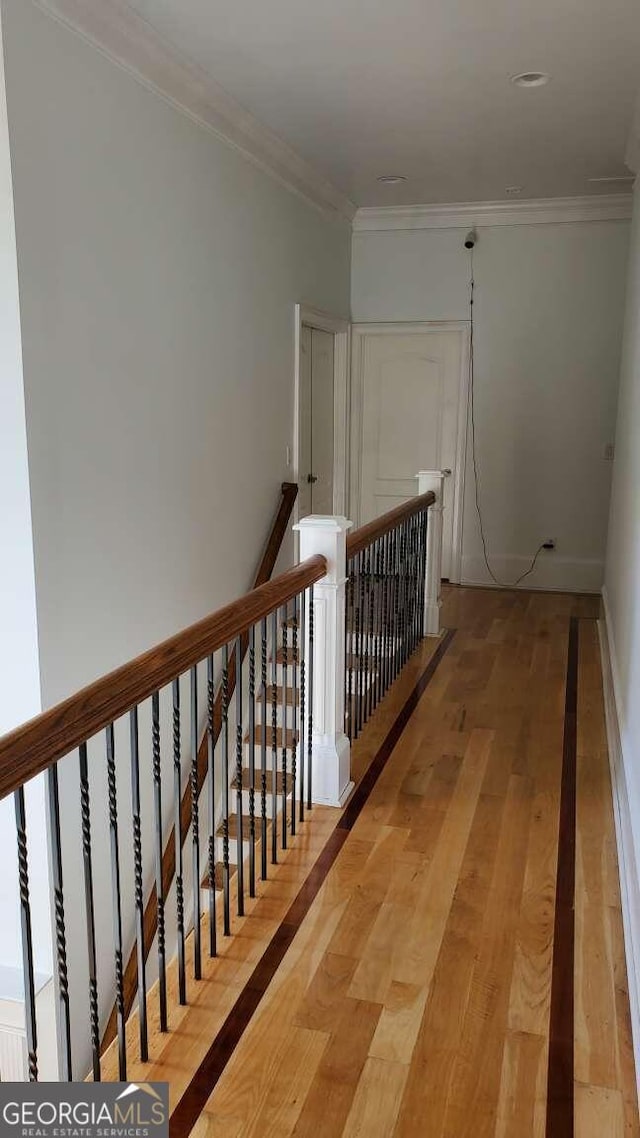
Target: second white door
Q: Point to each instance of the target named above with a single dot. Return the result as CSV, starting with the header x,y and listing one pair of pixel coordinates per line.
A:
x,y
316,449
408,415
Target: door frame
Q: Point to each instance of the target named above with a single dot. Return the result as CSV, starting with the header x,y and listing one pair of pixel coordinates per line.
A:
x,y
359,331
341,329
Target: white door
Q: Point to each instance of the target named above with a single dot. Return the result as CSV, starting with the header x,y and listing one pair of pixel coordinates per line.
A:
x,y
316,422
408,415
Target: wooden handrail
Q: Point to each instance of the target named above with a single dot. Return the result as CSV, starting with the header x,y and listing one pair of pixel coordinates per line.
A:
x,y
36,745
362,537
276,537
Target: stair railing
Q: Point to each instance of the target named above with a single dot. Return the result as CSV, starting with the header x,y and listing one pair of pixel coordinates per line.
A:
x,y
324,642
106,719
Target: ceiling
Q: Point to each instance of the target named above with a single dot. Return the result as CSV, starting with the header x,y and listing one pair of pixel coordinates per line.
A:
x,y
363,88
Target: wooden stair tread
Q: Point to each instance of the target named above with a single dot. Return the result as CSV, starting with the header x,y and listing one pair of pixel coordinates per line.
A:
x,y
218,876
257,782
265,730
291,695
233,827
292,657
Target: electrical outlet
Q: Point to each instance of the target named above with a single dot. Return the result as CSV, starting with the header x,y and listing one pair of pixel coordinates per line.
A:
x,y
608,452
550,543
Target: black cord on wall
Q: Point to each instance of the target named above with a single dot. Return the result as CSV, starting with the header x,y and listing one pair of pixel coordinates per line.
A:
x,y
476,477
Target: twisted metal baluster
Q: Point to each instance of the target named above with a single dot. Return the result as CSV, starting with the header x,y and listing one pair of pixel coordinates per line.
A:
x,y
226,873
252,761
137,871
177,824
195,830
64,1027
378,559
157,822
294,713
311,668
349,646
85,811
284,705
303,669
116,908
274,739
263,752
370,654
239,756
211,794
27,936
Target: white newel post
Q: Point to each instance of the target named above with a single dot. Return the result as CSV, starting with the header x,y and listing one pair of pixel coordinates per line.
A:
x,y
433,480
331,752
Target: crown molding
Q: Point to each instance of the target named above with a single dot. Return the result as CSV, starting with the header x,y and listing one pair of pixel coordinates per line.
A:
x,y
131,42
464,215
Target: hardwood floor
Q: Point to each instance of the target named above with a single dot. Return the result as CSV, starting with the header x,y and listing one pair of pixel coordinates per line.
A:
x,y
414,997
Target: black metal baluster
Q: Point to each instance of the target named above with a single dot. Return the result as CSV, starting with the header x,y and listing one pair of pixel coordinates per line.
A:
x,y
398,603
177,823
310,672
360,644
377,602
403,593
294,713
252,761
388,612
211,795
355,640
416,580
284,716
239,816
158,843
407,591
263,752
274,738
226,872
27,938
85,811
370,641
423,569
303,668
349,652
137,873
64,1023
413,582
116,905
195,831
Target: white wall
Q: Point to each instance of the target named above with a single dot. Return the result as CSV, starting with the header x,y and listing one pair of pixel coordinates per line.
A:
x,y
622,610
549,299
19,676
158,275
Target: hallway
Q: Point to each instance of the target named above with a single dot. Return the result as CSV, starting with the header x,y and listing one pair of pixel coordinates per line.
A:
x,y
424,976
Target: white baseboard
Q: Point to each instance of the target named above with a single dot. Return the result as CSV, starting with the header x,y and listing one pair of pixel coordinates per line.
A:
x,y
559,574
626,845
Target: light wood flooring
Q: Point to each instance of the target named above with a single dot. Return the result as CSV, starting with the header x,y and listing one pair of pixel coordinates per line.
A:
x,y
414,999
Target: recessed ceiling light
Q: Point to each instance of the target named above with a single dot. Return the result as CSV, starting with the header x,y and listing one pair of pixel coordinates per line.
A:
x,y
530,79
511,191
391,179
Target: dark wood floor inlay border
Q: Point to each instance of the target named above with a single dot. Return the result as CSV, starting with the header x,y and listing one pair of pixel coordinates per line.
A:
x,y
206,1077
560,1108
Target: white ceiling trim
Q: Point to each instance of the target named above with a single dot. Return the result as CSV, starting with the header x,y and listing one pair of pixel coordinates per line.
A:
x,y
127,39
464,215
